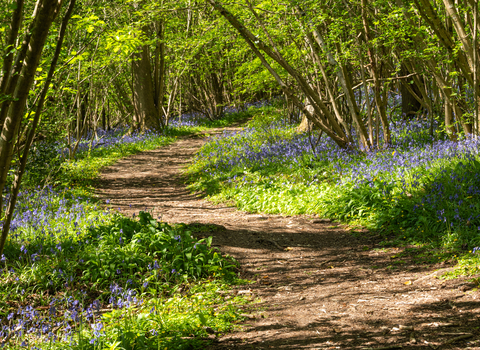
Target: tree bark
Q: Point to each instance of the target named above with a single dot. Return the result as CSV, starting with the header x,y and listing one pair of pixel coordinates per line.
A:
x,y
46,12
450,128
159,72
380,104
38,111
430,16
9,54
410,103
144,98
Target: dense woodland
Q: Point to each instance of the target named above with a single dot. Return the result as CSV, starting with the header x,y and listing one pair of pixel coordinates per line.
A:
x,y
379,97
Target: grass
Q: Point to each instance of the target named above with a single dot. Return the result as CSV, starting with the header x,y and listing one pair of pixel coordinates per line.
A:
x,y
78,275
49,163
424,191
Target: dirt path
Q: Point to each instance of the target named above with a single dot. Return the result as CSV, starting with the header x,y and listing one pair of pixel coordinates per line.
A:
x,y
318,286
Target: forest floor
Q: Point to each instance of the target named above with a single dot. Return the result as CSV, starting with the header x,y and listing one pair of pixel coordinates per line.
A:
x,y
318,285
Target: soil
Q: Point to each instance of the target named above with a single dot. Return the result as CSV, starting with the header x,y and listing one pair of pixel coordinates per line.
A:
x,y
318,285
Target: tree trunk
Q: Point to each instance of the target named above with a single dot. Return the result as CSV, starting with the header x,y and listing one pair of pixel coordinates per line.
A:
x,y
46,12
449,127
8,59
144,98
159,72
410,105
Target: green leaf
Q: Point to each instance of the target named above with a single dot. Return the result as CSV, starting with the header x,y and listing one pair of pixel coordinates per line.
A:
x,y
202,319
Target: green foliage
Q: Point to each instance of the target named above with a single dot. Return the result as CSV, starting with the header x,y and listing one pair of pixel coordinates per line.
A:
x,y
145,252
177,322
85,169
434,206
166,253
133,268
151,259
47,166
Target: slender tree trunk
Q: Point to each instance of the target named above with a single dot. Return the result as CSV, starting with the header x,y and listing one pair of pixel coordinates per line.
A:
x,y
450,128
159,72
475,68
367,99
8,59
376,82
330,94
46,12
462,58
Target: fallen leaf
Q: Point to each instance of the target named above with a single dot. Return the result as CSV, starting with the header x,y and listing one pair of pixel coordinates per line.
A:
x,y
248,291
408,283
407,328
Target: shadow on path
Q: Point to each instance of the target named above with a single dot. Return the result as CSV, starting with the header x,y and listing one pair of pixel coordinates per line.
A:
x,y
317,286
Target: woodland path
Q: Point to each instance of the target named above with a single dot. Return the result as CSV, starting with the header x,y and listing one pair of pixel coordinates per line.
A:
x,y
319,287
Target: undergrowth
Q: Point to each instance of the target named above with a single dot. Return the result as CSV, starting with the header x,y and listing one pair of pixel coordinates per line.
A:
x,y
121,283
50,164
423,191
78,275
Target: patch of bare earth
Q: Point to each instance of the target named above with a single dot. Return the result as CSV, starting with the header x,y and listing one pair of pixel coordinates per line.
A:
x,y
317,286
